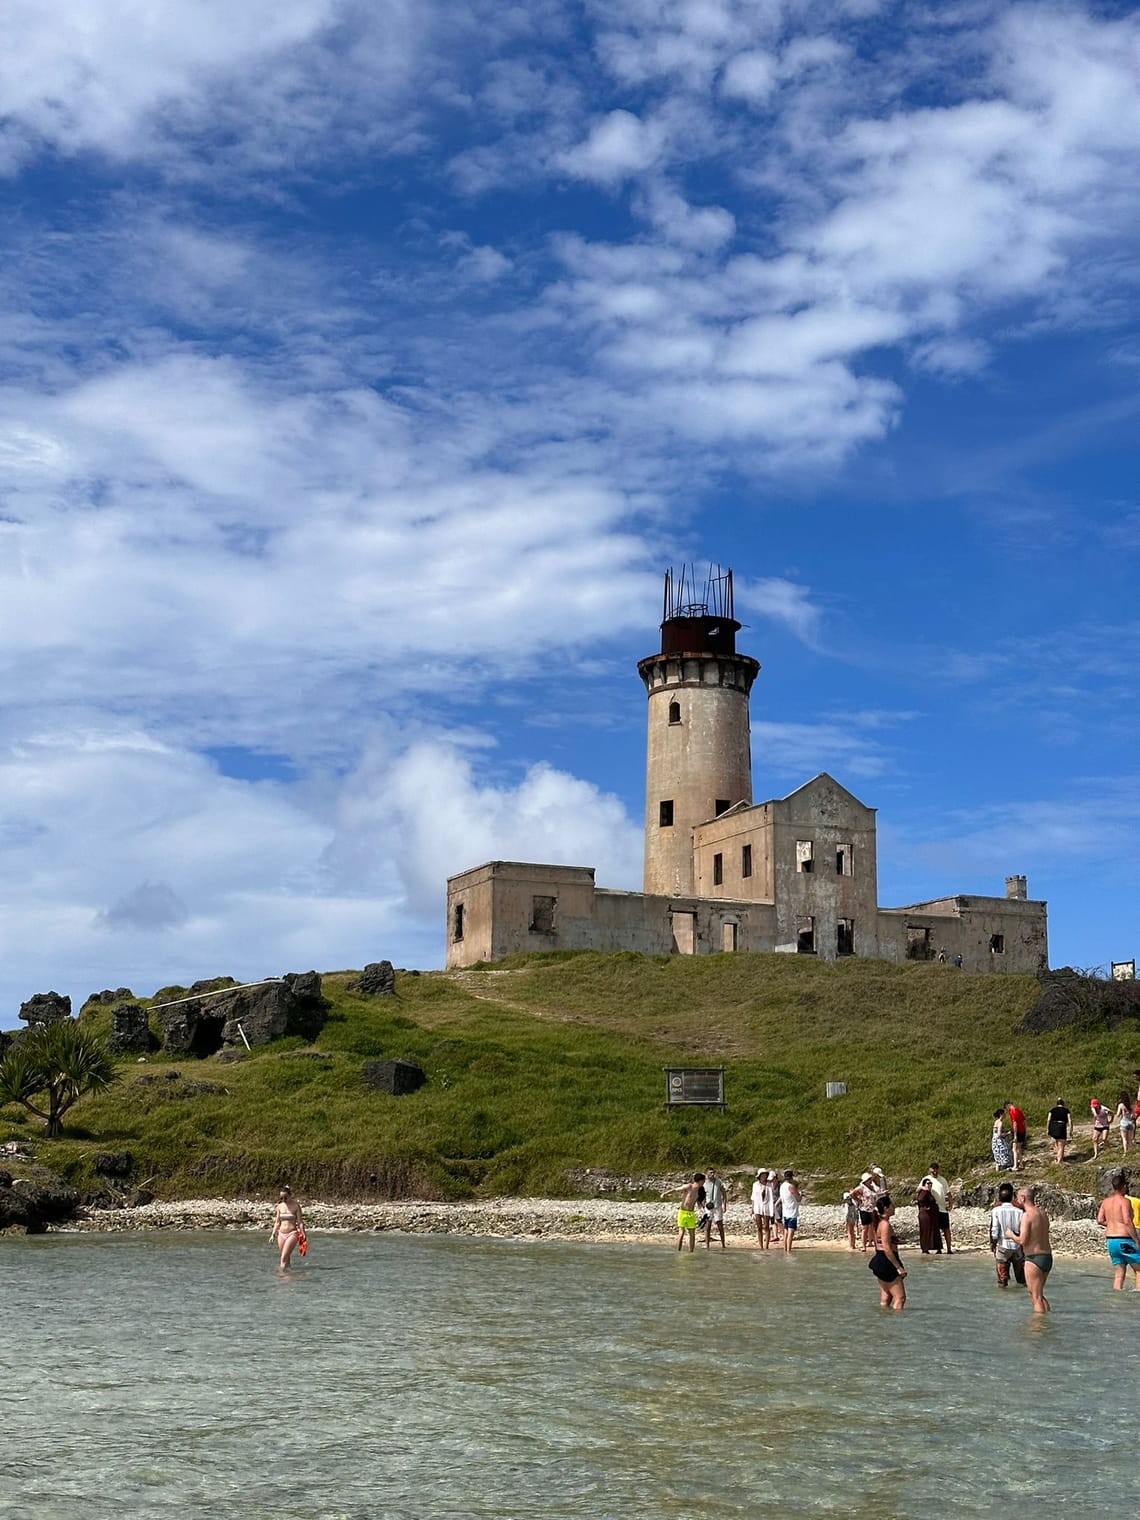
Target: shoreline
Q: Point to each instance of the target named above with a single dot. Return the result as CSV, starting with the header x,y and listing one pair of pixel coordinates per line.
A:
x,y
575,1219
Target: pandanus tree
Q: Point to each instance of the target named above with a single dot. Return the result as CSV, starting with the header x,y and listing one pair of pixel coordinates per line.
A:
x,y
52,1067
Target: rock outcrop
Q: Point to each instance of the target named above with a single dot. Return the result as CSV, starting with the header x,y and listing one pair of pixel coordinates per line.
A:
x,y
108,998
32,1197
395,1077
378,979
45,1008
130,1031
292,1006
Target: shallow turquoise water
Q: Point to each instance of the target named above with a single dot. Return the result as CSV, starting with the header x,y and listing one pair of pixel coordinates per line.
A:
x,y
420,1377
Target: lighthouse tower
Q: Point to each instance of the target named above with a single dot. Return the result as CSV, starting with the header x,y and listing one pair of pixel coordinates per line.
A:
x,y
698,758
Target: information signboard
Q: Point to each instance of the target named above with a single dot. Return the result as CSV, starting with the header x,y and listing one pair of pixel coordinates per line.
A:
x,y
1124,971
702,1086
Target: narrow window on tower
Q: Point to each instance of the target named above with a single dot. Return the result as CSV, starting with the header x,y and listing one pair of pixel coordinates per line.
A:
x,y
804,858
457,922
845,937
746,860
722,805
843,861
718,870
666,816
674,712
997,944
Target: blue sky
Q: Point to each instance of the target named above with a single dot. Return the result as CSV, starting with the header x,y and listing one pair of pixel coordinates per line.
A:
x,y
363,366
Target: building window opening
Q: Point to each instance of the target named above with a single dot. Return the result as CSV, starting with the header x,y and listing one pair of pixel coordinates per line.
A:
x,y
722,805
674,712
542,915
843,860
805,936
666,814
457,922
918,946
804,855
845,937
746,860
997,944
718,870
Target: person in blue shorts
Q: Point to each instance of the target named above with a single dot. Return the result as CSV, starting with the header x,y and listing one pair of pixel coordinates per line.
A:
x,y
1121,1237
790,1207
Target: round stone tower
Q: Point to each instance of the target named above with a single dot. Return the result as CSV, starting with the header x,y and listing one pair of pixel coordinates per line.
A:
x,y
698,759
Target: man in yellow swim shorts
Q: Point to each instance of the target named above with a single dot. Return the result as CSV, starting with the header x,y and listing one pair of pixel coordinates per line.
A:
x,y
687,1212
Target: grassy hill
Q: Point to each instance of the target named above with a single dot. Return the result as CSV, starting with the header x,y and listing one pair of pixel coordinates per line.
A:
x,y
544,1063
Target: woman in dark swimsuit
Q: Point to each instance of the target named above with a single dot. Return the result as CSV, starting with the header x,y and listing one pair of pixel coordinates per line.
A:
x,y
885,1263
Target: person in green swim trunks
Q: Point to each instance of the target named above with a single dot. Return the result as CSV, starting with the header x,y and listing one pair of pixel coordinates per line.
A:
x,y
1033,1238
687,1212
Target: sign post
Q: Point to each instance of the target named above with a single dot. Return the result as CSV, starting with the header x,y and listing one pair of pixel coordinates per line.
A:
x,y
694,1087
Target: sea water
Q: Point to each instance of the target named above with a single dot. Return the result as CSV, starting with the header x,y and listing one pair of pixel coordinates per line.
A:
x,y
399,1376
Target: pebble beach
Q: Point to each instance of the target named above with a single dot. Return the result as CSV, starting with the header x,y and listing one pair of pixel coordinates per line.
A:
x,y
585,1219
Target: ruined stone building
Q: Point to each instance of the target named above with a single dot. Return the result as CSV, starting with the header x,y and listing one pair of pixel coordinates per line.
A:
x,y
722,873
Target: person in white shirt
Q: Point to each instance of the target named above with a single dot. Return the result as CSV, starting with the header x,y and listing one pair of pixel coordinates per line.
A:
x,y
942,1197
1005,1221
714,1208
762,1210
790,1205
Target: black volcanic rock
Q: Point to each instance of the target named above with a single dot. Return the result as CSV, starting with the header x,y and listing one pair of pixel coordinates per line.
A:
x,y
378,979
45,1008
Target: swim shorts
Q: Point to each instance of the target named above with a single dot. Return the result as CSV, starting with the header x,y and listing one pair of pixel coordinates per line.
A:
x,y
686,1219
790,1224
866,1216
1123,1251
943,1220
1042,1260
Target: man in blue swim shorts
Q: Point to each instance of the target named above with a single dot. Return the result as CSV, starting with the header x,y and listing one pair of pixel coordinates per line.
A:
x,y
1120,1234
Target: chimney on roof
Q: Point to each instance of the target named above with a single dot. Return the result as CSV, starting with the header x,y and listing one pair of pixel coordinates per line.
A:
x,y
1017,888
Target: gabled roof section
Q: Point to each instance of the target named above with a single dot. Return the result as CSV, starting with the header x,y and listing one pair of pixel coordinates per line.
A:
x,y
819,783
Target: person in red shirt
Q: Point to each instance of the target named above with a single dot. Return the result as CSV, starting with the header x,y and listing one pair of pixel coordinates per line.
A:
x,y
1017,1125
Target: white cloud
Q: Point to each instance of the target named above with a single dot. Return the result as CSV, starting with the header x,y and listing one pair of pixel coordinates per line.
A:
x,y
784,602
796,751
263,876
618,146
751,76
99,79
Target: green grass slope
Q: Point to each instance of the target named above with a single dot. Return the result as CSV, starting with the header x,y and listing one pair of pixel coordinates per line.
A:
x,y
545,1063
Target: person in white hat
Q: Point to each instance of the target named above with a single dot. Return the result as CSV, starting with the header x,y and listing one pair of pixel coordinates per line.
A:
x,y
762,1210
863,1194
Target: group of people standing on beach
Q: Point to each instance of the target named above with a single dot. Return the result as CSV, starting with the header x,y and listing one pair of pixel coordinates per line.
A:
x,y
1019,1226
775,1209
